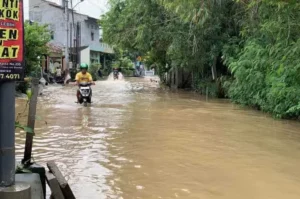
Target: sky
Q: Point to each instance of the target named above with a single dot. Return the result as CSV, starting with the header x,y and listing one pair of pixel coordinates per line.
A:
x,y
93,8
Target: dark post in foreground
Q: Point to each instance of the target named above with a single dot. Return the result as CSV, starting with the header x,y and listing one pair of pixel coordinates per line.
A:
x,y
65,188
7,134
56,192
12,68
31,121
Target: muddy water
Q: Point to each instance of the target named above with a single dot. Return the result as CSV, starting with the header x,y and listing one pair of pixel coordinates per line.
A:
x,y
139,142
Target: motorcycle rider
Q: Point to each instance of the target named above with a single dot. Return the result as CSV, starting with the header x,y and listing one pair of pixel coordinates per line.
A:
x,y
116,72
83,77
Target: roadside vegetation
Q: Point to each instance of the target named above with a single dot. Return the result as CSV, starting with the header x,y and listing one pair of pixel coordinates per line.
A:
x,y
36,39
252,46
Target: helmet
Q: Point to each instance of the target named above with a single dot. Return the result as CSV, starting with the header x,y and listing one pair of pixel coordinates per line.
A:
x,y
84,66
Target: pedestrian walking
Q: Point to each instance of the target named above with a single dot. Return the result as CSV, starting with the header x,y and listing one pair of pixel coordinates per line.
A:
x,y
58,72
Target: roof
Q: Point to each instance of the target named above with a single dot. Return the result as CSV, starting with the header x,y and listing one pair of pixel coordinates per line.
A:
x,y
92,18
54,48
102,47
79,48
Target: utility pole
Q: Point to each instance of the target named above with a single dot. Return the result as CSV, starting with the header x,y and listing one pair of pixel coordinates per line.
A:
x,y
75,33
67,39
11,70
9,189
7,134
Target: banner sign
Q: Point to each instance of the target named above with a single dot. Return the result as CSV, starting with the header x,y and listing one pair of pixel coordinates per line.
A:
x,y
11,40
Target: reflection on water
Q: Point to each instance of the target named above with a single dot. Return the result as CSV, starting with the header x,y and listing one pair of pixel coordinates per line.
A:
x,y
137,141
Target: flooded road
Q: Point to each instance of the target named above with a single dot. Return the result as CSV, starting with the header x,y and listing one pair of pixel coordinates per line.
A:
x,y
137,141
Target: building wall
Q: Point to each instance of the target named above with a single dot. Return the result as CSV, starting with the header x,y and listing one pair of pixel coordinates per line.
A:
x,y
85,56
88,27
42,12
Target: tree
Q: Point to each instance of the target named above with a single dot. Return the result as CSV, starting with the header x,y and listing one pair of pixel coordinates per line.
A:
x,y
36,39
255,44
187,33
138,26
265,62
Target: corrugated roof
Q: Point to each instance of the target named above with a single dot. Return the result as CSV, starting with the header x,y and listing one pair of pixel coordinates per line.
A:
x,y
79,48
54,48
101,47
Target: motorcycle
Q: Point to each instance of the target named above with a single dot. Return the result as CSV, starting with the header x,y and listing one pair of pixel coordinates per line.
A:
x,y
85,93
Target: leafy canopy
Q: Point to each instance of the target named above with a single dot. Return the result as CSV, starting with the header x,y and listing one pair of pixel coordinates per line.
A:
x,y
257,40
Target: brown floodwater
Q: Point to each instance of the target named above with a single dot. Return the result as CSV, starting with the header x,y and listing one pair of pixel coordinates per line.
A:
x,y
138,141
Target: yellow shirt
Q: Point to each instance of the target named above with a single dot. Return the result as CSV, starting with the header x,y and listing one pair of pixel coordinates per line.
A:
x,y
83,78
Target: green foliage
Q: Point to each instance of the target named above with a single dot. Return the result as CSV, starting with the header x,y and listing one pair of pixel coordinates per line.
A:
x,y
266,66
138,26
36,39
183,33
125,65
29,93
25,128
205,87
258,41
123,62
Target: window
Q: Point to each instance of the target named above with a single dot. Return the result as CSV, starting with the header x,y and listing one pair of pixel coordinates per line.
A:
x,y
52,35
92,36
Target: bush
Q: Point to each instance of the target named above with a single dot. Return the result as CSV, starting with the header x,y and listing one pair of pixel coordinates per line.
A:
x,y
93,70
206,87
36,39
266,68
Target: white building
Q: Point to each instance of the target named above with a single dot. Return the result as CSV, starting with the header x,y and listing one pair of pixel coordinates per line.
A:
x,y
84,31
